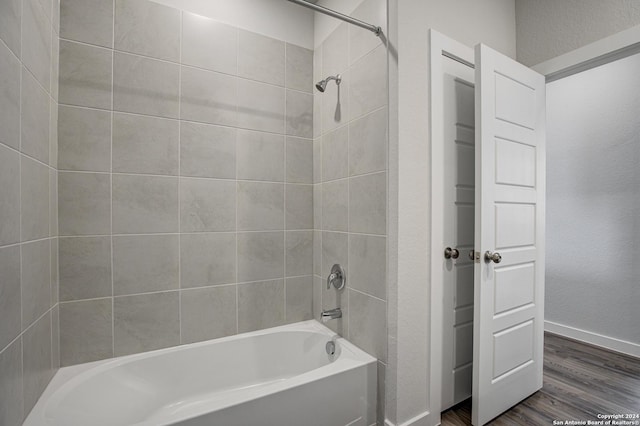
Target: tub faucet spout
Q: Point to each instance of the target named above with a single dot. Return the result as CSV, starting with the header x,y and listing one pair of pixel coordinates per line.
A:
x,y
331,314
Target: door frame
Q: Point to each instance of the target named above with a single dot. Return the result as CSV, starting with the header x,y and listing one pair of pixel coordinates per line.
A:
x,y
440,47
608,49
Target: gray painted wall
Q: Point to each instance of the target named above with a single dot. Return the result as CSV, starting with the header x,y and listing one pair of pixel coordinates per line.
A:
x,y
548,28
593,200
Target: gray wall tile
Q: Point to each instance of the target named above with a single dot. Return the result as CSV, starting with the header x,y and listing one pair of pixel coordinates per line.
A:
x,y
335,52
260,106
55,15
84,203
368,143
55,65
147,28
335,154
317,206
317,252
36,346
299,114
145,144
260,255
208,97
34,199
207,259
55,338
55,271
89,21
260,156
10,319
85,267
207,205
260,58
145,263
260,305
145,204
367,264
86,331
11,385
208,313
299,160
145,86
299,256
146,322
209,44
53,134
360,40
335,212
335,249
368,204
317,297
299,206
299,299
9,92
85,75
368,328
9,196
84,139
35,118
207,151
36,41
299,68
368,85
10,24
260,206
317,160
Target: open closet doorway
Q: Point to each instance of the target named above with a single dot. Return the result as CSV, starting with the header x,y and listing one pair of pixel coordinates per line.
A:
x,y
517,284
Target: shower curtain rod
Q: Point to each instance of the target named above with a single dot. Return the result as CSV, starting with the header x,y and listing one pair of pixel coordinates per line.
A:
x,y
374,29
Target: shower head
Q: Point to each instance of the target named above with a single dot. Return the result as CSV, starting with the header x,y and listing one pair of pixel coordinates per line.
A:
x,y
322,84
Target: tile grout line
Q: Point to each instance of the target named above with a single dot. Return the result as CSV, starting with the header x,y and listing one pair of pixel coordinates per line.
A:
x,y
237,254
113,300
22,413
180,64
285,177
180,181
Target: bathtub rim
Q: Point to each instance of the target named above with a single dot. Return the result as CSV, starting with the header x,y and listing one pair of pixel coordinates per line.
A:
x,y
351,357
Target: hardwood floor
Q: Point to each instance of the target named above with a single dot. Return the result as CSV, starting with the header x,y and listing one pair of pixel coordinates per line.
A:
x,y
580,382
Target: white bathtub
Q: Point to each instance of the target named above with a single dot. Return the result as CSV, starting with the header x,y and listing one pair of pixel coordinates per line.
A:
x,y
281,376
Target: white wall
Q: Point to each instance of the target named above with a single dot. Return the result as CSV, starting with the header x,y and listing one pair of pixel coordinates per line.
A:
x,y
274,18
593,201
470,22
548,28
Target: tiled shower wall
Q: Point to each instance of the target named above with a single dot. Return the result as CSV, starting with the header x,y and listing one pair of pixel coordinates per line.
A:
x,y
350,183
28,212
185,183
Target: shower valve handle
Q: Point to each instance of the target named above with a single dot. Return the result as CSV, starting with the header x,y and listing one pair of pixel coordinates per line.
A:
x,y
337,277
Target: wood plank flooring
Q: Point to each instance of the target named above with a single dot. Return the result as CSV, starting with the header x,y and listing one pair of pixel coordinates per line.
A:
x,y
580,382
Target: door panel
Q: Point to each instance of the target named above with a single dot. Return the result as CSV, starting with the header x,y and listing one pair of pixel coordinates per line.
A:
x,y
509,219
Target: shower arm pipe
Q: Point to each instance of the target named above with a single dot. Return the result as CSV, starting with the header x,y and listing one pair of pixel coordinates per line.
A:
x,y
374,29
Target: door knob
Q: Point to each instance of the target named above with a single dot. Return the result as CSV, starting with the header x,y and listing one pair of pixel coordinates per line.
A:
x,y
450,253
492,257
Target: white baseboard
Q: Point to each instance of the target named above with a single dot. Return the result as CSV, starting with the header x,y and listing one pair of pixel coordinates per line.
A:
x,y
422,419
592,338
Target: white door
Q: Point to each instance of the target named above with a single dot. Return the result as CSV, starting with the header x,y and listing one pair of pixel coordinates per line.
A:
x,y
458,221
510,185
